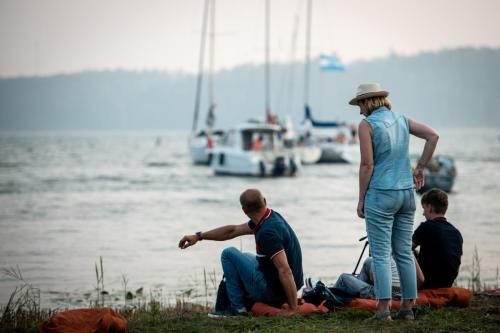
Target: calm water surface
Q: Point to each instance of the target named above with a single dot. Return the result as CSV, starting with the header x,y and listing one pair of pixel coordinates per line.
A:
x,y
65,200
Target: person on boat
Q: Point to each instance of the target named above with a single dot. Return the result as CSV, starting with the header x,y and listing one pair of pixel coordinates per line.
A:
x,y
258,143
386,192
274,274
439,241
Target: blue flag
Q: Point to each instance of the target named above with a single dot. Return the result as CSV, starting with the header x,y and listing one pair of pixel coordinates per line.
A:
x,y
330,63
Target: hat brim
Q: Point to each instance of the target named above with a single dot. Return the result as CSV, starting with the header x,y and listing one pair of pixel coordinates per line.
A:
x,y
356,99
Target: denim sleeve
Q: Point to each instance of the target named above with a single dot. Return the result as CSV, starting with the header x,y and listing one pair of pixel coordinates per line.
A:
x,y
270,243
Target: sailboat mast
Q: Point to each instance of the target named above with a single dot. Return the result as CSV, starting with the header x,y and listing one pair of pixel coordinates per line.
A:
x,y
199,79
308,53
267,74
211,60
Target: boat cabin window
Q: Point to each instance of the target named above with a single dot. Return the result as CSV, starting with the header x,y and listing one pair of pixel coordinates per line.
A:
x,y
258,140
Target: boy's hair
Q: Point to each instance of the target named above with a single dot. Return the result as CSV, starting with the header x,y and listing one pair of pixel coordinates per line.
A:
x,y
437,199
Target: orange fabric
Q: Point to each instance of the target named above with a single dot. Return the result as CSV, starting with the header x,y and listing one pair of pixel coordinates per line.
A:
x,y
257,145
99,320
262,309
210,142
435,298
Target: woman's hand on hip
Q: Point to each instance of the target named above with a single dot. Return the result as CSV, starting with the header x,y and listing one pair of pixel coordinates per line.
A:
x,y
361,209
418,178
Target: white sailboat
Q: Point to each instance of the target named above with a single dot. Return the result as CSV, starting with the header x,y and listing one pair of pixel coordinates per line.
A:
x,y
336,142
202,142
256,148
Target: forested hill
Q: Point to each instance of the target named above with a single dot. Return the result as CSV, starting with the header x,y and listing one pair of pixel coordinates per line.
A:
x,y
450,88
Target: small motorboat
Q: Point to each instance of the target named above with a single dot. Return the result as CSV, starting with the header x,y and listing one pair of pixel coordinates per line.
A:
x,y
339,152
254,149
309,153
439,173
335,145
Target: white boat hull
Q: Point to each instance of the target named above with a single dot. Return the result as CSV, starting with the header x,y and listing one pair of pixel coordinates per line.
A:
x,y
248,163
334,152
200,153
309,154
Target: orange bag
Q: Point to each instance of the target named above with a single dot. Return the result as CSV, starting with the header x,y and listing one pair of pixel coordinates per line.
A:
x,y
98,320
435,298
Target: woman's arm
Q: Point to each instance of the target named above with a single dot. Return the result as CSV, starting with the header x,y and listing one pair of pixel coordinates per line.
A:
x,y
366,165
431,138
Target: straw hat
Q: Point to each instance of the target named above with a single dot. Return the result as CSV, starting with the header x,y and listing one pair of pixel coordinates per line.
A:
x,y
367,90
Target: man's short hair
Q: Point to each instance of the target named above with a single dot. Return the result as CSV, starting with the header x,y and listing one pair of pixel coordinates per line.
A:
x,y
252,201
437,199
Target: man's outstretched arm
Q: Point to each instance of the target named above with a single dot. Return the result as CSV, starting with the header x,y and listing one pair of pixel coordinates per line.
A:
x,y
217,234
280,261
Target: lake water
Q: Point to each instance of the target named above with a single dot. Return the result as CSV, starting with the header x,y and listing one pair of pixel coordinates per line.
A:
x,y
66,200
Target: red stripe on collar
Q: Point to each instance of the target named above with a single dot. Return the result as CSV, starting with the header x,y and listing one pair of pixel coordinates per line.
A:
x,y
262,219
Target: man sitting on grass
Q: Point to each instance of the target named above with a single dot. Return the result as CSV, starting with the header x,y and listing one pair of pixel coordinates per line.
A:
x,y
440,243
272,276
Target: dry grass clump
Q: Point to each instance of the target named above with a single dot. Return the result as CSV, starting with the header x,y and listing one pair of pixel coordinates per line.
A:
x,y
23,307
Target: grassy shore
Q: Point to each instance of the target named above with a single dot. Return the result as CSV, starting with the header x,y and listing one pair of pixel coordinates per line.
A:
x,y
482,316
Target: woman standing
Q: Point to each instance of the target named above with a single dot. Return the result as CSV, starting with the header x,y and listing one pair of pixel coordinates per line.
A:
x,y
386,192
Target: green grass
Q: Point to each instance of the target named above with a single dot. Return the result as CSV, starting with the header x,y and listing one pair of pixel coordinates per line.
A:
x,y
482,316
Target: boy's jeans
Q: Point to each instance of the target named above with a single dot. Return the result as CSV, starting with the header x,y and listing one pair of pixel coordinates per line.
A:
x,y
243,278
389,224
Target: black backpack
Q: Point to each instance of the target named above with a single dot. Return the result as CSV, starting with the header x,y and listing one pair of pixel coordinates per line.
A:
x,y
332,296
222,302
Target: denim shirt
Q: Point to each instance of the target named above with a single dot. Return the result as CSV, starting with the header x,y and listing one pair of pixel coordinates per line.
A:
x,y
390,141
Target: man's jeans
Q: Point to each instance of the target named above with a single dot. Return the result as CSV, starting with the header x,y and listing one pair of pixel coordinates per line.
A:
x,y
243,278
389,224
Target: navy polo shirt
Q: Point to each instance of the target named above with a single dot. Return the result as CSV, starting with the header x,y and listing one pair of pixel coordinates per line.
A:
x,y
272,236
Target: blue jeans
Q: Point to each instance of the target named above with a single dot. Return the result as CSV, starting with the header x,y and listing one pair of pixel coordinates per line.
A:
x,y
389,218
244,278
354,286
361,285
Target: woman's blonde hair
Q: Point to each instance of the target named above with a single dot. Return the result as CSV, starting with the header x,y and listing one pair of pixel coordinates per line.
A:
x,y
373,103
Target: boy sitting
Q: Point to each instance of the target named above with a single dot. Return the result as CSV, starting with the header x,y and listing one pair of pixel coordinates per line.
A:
x,y
439,241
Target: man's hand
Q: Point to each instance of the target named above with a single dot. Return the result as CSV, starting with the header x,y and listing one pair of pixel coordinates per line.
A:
x,y
361,209
187,241
418,177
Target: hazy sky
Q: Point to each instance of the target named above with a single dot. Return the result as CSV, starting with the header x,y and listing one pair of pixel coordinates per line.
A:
x,y
53,36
